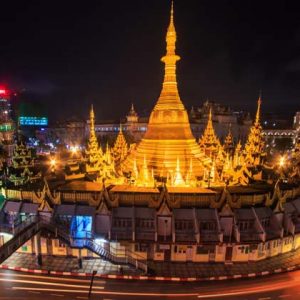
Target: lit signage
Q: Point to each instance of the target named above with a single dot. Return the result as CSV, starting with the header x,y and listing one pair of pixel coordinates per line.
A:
x,y
33,121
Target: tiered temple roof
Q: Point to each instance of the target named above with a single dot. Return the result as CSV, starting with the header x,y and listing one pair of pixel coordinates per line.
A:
x,y
254,147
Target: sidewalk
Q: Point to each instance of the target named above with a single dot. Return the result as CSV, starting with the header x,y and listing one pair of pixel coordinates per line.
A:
x,y
273,264
66,264
161,270
284,261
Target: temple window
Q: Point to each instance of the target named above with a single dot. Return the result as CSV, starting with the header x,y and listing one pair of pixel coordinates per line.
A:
x,y
208,225
184,225
144,223
245,225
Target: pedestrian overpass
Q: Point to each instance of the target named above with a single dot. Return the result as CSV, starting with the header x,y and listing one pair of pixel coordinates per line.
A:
x,y
33,225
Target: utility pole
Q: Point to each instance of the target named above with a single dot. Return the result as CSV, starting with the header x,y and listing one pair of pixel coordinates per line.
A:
x,y
91,285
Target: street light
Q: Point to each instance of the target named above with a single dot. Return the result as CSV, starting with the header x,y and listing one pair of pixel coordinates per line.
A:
x,y
74,149
53,164
281,161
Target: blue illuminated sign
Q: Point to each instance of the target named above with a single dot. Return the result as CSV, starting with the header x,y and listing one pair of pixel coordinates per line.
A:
x,y
81,226
33,121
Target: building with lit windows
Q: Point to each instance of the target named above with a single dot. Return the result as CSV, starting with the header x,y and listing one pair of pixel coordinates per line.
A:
x,y
7,126
282,138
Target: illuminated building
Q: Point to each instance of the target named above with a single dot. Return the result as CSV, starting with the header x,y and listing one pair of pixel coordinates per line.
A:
x,y
168,143
175,199
281,138
22,169
7,126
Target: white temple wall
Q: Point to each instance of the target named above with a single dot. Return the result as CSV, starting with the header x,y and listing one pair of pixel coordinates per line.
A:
x,y
287,244
297,241
181,252
178,252
220,253
275,247
240,253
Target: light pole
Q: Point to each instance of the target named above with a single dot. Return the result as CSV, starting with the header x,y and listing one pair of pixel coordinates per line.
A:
x,y
91,285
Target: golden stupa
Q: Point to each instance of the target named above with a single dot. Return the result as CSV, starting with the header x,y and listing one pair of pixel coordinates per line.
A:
x,y
168,146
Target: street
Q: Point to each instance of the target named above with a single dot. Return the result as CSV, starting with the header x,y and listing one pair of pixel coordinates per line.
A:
x,y
17,285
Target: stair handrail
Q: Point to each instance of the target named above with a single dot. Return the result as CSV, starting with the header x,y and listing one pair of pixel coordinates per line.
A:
x,y
110,253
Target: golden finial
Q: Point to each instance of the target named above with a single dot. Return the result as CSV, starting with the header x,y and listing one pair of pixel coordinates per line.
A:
x,y
92,115
257,117
210,115
92,120
172,11
171,34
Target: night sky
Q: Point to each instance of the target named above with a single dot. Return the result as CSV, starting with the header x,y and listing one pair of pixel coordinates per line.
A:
x,y
74,53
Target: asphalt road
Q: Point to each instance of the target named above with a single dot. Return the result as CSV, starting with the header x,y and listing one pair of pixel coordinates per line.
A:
x,y
17,285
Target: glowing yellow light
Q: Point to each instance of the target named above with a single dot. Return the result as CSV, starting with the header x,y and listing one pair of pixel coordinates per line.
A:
x,y
281,161
74,149
53,162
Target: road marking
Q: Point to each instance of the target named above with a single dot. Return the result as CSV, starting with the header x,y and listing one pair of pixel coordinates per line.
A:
x,y
79,297
33,292
51,283
51,278
57,295
284,296
105,292
265,298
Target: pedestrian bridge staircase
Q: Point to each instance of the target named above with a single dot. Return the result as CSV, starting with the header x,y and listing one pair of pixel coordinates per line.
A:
x,y
25,230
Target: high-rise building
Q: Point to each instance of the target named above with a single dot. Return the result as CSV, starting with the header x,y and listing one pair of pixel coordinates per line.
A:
x,y
7,127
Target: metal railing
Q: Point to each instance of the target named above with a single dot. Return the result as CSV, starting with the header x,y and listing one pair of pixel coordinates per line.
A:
x,y
23,231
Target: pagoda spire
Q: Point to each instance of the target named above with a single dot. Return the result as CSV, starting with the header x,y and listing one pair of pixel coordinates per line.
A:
x,y
254,147
93,152
92,119
120,148
132,108
93,138
178,180
257,117
228,142
169,97
209,142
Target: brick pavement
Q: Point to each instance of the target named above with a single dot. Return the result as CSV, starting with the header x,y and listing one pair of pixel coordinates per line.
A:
x,y
66,264
191,269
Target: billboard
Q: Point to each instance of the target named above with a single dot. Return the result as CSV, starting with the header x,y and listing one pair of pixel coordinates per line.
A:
x,y
33,121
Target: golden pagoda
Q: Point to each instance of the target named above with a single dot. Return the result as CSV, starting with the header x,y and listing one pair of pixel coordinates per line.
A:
x,y
168,138
209,142
120,148
254,147
229,143
94,154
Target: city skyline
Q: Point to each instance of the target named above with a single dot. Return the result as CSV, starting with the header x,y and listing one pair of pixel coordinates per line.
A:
x,y
228,55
